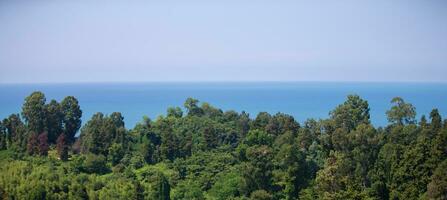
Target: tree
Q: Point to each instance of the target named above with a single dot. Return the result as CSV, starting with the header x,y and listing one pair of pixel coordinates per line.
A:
x,y
34,112
192,107
157,187
210,137
16,136
257,172
351,113
72,117
228,185
175,112
169,145
210,111
101,131
292,173
62,147
116,153
437,188
54,121
95,164
436,120
187,190
117,119
261,120
32,145
401,112
94,135
3,137
43,144
147,151
261,195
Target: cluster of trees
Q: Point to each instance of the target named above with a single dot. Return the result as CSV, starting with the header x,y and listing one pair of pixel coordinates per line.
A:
x,y
41,125
203,152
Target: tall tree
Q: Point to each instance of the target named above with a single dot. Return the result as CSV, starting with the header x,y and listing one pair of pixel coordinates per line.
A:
x,y
16,136
72,117
169,145
192,107
34,112
351,113
436,120
54,121
401,112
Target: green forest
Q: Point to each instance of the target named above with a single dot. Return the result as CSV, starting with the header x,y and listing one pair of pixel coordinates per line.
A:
x,y
198,151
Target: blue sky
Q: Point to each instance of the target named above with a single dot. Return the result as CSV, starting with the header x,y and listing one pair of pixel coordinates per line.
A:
x,y
120,41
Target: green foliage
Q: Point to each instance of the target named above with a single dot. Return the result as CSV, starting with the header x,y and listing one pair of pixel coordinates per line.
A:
x,y
156,186
187,190
62,147
174,112
437,188
260,195
401,112
54,117
116,153
34,112
215,154
72,117
192,107
351,113
101,132
95,164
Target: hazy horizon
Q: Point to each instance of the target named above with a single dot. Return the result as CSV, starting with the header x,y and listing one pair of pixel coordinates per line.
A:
x,y
287,41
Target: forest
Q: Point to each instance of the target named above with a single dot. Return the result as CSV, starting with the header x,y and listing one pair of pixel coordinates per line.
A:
x,y
202,152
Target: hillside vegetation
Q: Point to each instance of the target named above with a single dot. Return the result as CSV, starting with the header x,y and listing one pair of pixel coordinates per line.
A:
x,y
202,152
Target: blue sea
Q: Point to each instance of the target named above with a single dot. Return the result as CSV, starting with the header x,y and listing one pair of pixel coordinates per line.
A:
x,y
303,100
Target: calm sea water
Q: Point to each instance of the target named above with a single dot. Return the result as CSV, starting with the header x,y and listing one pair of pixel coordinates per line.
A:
x,y
303,100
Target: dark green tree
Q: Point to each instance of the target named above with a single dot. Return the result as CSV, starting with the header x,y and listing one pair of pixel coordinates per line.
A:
x,y
192,107
437,188
436,120
95,164
351,113
257,172
54,121
72,117
210,136
34,112
169,145
116,153
175,112
16,135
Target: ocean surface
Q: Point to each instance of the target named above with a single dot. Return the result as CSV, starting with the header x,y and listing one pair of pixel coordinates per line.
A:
x,y
303,100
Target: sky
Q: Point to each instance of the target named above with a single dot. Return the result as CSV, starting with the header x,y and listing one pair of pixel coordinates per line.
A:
x,y
52,41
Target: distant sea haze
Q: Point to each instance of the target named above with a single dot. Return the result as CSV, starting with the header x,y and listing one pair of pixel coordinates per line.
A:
x,y
302,100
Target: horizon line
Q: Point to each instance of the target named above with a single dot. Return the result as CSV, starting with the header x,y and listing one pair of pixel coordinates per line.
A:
x,y
220,81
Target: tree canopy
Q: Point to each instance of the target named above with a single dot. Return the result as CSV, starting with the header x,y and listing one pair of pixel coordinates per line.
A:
x,y
209,153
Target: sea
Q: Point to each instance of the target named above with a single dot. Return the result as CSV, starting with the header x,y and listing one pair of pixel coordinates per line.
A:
x,y
302,100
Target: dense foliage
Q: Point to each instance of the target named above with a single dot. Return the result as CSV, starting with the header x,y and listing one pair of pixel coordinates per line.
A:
x,y
203,152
